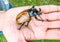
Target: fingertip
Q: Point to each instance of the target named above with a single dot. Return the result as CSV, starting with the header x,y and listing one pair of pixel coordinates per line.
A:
x,y
48,8
58,8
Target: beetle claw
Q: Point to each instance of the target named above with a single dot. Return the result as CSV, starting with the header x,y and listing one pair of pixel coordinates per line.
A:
x,y
39,19
18,28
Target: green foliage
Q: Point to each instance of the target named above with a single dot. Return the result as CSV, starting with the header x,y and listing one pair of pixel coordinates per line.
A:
x,y
45,41
34,2
2,38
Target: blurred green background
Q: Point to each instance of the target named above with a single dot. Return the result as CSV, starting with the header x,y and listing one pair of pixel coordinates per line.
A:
x,y
18,3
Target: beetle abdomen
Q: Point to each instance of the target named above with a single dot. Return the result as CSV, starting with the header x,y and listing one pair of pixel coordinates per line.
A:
x,y
22,17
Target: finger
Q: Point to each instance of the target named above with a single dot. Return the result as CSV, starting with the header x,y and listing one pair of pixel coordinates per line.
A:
x,y
54,24
58,8
53,34
48,8
53,16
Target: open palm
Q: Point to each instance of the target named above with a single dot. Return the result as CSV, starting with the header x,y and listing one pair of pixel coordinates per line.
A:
x,y
36,29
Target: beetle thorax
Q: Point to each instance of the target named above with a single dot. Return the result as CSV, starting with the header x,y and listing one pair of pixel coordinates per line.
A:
x,y
33,12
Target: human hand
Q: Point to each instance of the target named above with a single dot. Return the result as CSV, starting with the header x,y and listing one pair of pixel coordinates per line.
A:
x,y
36,30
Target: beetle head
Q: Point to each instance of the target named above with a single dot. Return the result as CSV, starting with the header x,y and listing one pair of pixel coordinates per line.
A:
x,y
33,11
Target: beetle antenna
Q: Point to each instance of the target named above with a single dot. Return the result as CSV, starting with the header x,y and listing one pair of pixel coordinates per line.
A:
x,y
39,9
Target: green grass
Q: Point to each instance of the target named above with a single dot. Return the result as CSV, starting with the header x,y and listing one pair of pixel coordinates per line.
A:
x,y
45,41
34,2
17,3
2,38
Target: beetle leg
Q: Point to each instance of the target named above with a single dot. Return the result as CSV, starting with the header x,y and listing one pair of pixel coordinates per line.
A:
x,y
28,22
38,19
39,9
41,18
21,26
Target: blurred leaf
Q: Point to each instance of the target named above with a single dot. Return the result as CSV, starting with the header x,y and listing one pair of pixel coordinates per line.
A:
x,y
2,38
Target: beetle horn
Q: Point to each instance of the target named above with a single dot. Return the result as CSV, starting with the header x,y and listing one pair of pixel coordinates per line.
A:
x,y
32,6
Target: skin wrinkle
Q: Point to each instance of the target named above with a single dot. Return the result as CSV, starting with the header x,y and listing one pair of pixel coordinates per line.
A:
x,y
44,16
29,32
55,24
50,16
21,37
37,27
58,8
31,26
54,34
